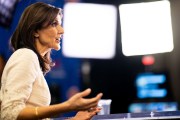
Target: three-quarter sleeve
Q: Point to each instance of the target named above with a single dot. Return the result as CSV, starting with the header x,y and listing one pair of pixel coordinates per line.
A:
x,y
17,82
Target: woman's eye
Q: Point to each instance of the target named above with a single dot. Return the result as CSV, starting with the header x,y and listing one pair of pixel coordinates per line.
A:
x,y
54,24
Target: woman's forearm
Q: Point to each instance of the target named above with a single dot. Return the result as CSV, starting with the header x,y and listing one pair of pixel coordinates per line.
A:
x,y
35,113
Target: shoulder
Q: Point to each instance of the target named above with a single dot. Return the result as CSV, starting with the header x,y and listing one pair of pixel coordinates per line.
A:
x,y
25,53
24,56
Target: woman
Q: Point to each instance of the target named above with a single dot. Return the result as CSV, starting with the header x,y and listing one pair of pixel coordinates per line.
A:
x,y
24,91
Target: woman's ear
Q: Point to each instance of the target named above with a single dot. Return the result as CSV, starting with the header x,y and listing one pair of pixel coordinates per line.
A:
x,y
36,35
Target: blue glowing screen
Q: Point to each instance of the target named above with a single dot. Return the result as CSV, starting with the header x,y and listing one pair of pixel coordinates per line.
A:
x,y
153,106
148,85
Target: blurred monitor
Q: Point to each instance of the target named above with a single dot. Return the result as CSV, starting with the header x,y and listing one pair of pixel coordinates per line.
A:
x,y
90,30
146,28
153,85
7,8
152,106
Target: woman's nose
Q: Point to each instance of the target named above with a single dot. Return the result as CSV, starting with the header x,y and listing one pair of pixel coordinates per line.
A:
x,y
60,29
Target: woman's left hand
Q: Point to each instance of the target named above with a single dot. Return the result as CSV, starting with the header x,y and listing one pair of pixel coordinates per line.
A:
x,y
86,115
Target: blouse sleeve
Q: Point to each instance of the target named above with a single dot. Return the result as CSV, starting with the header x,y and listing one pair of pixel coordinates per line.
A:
x,y
19,76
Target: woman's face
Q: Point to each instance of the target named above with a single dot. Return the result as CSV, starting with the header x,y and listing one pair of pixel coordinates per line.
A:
x,y
49,37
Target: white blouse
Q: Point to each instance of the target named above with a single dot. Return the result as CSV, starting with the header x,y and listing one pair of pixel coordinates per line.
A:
x,y
22,84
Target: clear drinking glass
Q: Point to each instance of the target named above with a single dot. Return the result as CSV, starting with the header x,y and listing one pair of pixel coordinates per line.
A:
x,y
106,105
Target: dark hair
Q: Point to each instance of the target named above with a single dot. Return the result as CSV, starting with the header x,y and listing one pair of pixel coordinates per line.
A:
x,y
35,17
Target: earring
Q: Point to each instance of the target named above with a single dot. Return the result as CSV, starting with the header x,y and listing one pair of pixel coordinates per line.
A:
x,y
36,35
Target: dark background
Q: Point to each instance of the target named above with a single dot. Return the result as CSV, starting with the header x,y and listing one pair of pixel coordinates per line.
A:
x,y
116,77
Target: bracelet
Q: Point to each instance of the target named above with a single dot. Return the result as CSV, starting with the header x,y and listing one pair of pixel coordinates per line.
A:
x,y
36,111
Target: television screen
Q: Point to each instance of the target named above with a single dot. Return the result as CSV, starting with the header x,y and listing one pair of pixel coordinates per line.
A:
x,y
153,85
7,8
153,106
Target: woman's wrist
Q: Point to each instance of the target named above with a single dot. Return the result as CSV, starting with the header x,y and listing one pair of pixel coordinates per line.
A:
x,y
68,106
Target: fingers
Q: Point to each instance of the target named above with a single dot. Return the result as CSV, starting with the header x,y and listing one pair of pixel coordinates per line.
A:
x,y
88,91
79,103
92,105
94,111
99,96
87,115
93,102
85,92
96,99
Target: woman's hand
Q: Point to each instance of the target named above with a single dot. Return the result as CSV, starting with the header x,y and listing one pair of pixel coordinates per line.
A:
x,y
86,115
78,103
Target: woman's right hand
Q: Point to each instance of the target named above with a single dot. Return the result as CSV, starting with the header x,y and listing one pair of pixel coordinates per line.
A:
x,y
77,102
